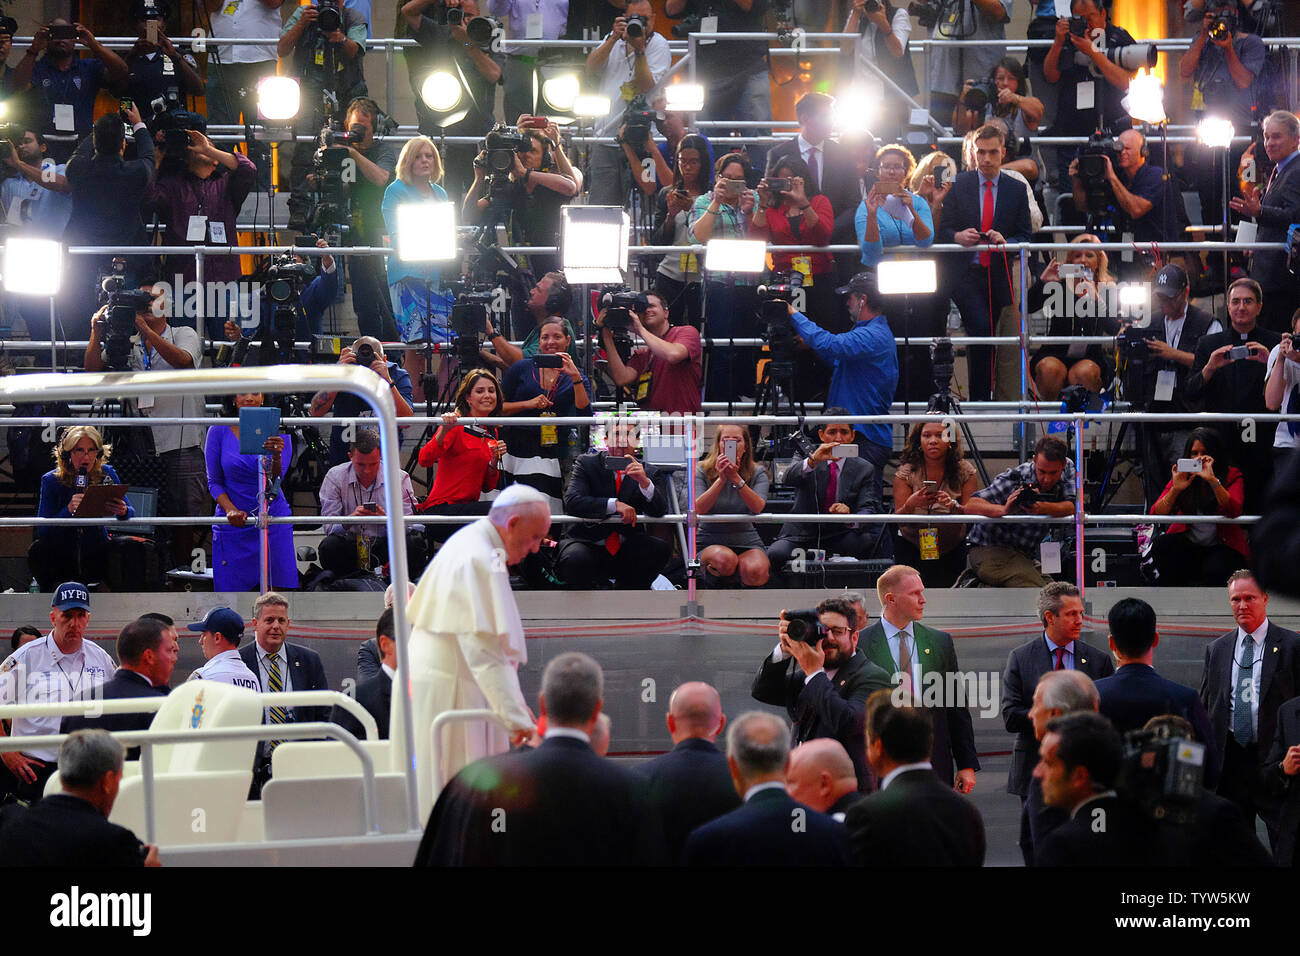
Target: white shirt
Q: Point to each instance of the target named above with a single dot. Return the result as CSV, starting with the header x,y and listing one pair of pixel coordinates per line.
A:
x,y
246,18
32,209
770,785
566,732
1291,375
891,634
620,68
39,673
1240,654
171,437
904,768
873,50
554,14
228,668
1174,329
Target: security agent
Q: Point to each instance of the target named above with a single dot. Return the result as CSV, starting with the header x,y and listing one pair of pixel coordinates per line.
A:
x,y
64,666
219,636
864,362
823,683
376,693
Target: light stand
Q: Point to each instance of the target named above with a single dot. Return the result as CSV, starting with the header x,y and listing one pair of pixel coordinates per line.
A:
x,y
1217,134
593,251
906,277
35,267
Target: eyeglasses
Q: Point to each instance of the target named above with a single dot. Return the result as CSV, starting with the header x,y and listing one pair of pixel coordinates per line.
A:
x,y
839,631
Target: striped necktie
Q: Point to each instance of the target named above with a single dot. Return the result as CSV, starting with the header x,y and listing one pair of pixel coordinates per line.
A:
x,y
275,684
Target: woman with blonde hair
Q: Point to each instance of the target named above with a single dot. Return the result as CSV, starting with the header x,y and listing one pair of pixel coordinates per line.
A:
x,y
922,182
1079,299
728,482
420,305
61,552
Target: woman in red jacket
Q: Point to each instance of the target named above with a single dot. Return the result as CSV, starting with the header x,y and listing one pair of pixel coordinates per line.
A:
x,y
800,216
467,456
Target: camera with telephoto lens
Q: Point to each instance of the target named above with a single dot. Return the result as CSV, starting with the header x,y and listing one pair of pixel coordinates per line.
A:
x,y
480,30
773,309
927,14
1092,171
804,627
636,27
978,97
174,124
8,27
871,6
1031,494
686,26
1224,25
330,17
1161,775
1079,26
637,120
1131,57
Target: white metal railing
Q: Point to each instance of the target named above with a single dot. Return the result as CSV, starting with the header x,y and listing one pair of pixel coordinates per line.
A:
x,y
444,720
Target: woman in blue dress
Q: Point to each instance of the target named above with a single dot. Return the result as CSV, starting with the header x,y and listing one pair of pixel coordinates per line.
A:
x,y
233,481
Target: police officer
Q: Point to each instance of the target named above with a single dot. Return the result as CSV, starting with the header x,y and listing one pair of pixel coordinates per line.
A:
x,y
219,636
157,68
60,667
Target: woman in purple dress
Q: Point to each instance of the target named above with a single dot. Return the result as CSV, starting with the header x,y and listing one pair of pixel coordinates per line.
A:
x,y
233,481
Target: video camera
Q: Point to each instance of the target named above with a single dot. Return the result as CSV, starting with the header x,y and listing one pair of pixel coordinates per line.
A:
x,y
774,299
331,210
804,627
1092,171
470,312
637,120
502,143
1161,775
124,303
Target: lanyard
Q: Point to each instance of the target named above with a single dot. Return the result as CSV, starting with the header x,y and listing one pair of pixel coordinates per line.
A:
x,y
549,393
59,664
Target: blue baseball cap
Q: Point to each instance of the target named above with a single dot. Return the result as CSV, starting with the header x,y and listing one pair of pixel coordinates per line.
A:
x,y
71,594
223,621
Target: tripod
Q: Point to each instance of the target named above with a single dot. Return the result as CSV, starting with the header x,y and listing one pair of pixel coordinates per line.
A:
x,y
945,402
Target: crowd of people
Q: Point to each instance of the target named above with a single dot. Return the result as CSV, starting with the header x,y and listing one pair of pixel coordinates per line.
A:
x,y
99,181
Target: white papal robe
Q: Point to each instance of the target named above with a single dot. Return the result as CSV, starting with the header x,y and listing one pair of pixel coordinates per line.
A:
x,y
466,646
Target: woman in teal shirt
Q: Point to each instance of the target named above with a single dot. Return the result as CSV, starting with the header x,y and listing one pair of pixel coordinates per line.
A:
x,y
420,305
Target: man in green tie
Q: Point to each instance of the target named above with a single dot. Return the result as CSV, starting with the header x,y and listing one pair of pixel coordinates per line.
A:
x,y
923,663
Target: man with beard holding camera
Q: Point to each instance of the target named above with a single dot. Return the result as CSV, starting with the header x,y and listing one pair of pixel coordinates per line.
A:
x,y
666,373
158,345
818,675
197,196
629,66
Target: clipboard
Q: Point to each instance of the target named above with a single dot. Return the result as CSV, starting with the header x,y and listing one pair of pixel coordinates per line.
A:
x,y
256,425
95,499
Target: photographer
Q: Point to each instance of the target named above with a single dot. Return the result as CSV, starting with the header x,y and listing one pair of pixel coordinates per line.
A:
x,y
65,85
107,192
1224,63
536,386
865,362
468,456
891,214
822,680
323,62
40,188
233,70
154,65
1201,555
667,373
677,277
1092,85
1177,328
201,182
308,306
1002,554
444,44
737,85
367,352
1005,94
1280,389
549,298
357,488
158,345
885,30
792,211
730,482
8,27
1083,310
605,484
950,65
540,181
1228,376
527,20
828,483
628,66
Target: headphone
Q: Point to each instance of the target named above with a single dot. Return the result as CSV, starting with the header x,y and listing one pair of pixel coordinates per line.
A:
x,y
872,296
560,297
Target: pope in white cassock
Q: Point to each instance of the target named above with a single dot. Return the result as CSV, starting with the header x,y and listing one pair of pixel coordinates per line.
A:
x,y
467,641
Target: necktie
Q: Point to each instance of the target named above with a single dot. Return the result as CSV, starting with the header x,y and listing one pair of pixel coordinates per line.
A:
x,y
812,170
986,219
615,540
832,484
1293,405
1272,178
905,663
1243,725
275,684
1060,659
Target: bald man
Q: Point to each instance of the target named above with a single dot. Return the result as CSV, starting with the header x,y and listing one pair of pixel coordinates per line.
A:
x,y
690,785
821,775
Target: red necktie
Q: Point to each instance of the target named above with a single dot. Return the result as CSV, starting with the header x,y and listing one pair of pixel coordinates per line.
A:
x,y
832,484
1060,659
615,540
986,219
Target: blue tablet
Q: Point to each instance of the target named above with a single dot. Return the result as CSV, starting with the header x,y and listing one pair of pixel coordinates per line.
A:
x,y
256,425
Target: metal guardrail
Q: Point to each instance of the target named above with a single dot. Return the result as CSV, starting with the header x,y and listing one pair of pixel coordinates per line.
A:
x,y
446,719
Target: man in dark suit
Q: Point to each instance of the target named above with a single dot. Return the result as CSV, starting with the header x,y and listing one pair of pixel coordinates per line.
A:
x,y
280,666
1135,692
1177,328
376,693
1279,775
1243,704
1060,609
71,829
822,776
772,828
556,805
914,819
823,683
1275,209
1221,383
148,650
983,208
925,662
591,554
825,484
834,172
691,784
1079,764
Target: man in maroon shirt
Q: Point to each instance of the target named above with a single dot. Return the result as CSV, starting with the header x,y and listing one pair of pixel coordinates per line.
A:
x,y
665,375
